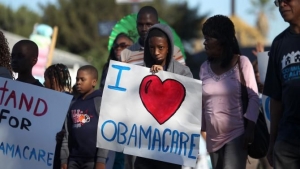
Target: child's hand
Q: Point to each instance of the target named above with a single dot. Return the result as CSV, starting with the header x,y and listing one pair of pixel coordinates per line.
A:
x,y
156,68
64,166
100,166
259,48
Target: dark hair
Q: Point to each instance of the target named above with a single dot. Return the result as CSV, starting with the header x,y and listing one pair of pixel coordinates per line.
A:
x,y
112,55
222,28
155,32
75,92
148,10
61,74
5,54
91,69
32,47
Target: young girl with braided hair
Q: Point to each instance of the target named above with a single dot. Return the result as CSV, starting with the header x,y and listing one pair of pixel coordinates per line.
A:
x,y
57,77
5,67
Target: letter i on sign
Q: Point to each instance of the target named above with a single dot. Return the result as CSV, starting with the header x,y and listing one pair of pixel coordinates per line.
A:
x,y
116,86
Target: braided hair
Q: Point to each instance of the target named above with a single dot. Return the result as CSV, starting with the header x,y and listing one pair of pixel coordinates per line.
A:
x,y
5,53
59,73
222,28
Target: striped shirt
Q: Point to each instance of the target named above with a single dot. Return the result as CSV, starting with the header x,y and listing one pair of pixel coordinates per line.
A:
x,y
135,55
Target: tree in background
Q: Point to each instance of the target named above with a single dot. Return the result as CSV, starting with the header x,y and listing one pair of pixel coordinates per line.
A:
x,y
78,20
264,10
20,22
185,21
78,26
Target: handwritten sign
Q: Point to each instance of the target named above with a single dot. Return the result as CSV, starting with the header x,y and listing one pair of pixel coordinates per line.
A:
x,y
262,59
30,117
266,106
156,116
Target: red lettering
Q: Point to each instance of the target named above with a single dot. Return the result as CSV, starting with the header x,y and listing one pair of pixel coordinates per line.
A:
x,y
41,107
3,89
24,100
38,105
11,96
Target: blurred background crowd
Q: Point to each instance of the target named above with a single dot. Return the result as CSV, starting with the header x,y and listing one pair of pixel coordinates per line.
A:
x,y
85,27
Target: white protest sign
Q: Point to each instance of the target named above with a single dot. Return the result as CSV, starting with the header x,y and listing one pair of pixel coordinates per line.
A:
x,y
266,106
263,59
30,117
153,116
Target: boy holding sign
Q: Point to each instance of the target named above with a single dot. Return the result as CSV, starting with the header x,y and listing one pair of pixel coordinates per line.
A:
x,y
81,125
158,54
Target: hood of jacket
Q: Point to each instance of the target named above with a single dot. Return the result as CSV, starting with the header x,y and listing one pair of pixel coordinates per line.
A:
x,y
95,93
148,59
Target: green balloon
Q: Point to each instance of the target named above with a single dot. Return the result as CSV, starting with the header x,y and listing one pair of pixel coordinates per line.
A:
x,y
128,25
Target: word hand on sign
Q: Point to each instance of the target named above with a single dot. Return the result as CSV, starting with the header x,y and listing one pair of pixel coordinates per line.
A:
x,y
20,101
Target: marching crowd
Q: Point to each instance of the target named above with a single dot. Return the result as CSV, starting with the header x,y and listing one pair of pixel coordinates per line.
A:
x,y
231,114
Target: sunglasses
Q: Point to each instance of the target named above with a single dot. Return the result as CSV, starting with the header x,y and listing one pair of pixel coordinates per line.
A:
x,y
121,45
278,2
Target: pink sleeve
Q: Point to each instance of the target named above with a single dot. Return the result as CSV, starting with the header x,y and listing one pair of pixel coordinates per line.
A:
x,y
203,123
253,105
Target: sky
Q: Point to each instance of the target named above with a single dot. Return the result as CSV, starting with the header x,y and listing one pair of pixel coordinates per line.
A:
x,y
212,7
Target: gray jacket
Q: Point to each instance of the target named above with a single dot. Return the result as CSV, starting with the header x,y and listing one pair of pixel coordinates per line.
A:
x,y
171,64
4,72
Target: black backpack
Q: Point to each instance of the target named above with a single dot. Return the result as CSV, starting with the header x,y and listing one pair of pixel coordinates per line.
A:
x,y
260,145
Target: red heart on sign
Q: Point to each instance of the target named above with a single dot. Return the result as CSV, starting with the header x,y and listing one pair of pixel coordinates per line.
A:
x,y
161,99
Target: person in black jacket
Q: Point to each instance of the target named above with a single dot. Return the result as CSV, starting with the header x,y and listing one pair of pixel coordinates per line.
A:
x,y
82,124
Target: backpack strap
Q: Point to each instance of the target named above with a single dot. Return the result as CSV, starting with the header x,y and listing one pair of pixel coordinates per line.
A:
x,y
244,92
